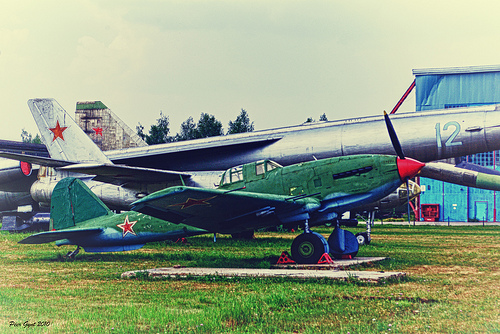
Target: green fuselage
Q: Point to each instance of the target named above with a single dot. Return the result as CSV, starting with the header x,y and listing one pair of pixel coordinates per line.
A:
x,y
327,178
264,194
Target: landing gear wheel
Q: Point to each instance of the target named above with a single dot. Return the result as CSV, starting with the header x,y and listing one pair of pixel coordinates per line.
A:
x,y
363,238
343,244
307,248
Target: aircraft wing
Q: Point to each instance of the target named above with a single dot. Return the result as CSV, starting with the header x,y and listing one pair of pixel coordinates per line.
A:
x,y
224,211
109,173
120,174
45,237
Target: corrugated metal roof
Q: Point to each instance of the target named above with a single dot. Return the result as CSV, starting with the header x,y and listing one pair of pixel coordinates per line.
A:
x,y
457,70
463,89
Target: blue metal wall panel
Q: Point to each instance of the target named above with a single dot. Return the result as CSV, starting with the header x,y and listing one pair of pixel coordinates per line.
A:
x,y
433,193
457,90
476,197
497,206
454,203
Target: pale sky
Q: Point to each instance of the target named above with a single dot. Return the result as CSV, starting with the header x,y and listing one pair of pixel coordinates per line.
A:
x,y
282,61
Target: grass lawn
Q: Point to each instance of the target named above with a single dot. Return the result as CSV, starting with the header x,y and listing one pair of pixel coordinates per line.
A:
x,y
453,286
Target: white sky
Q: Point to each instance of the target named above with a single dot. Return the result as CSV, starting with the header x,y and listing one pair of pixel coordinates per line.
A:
x,y
282,61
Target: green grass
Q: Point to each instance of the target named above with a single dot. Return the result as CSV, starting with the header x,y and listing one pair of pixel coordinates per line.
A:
x,y
453,287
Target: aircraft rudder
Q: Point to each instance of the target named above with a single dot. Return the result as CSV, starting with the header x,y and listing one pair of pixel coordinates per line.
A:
x,y
73,202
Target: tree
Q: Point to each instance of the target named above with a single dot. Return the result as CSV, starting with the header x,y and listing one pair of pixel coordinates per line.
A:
x,y
321,118
207,126
158,133
140,131
188,130
28,138
241,124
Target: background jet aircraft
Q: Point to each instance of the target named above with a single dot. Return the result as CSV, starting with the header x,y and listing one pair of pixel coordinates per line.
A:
x,y
478,130
427,136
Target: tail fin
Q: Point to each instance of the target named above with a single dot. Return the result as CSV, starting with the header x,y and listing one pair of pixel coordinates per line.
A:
x,y
64,139
73,202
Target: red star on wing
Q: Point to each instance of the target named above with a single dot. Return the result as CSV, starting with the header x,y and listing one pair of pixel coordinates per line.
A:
x,y
192,202
58,131
127,227
98,131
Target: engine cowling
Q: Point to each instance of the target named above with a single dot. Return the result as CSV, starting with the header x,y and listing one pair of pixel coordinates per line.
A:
x,y
16,176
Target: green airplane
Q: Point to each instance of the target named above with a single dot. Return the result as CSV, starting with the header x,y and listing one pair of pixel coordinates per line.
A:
x,y
249,197
264,194
78,217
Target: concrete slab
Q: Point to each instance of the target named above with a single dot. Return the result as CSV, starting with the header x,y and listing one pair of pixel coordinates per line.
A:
x,y
338,264
311,272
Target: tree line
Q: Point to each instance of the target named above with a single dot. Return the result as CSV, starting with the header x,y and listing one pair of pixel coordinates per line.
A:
x,y
207,126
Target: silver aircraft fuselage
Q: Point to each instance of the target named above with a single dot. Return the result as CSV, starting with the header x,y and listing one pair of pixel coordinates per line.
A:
x,y
425,136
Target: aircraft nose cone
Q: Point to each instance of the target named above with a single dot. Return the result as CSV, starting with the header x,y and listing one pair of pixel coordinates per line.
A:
x,y
408,168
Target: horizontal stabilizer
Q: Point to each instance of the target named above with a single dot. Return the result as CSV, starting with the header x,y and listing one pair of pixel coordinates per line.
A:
x,y
45,237
120,248
36,160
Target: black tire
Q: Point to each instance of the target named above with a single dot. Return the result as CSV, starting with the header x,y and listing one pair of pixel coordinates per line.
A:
x,y
351,245
307,248
363,238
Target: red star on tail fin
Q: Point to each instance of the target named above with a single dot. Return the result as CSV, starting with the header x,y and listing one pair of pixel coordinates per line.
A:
x,y
58,131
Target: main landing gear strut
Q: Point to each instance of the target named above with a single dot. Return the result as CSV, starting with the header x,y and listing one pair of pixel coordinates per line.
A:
x,y
364,238
72,254
308,247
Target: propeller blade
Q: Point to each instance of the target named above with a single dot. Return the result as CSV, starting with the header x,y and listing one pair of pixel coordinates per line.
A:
x,y
408,198
393,136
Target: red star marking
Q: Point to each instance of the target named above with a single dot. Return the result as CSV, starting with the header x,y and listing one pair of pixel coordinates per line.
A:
x,y
58,131
98,131
192,202
127,227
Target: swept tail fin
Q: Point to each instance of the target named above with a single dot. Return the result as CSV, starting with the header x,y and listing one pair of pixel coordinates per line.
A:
x,y
73,202
64,139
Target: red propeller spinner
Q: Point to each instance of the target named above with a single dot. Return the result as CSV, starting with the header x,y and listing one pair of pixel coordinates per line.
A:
x,y
408,168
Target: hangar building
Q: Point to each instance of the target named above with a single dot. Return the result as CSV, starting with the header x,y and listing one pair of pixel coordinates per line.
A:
x,y
441,88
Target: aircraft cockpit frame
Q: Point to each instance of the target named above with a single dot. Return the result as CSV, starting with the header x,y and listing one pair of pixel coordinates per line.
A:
x,y
253,170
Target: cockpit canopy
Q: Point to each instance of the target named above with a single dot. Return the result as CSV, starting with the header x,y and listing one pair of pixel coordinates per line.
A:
x,y
241,173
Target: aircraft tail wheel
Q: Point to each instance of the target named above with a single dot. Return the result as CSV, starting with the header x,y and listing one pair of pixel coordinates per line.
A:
x,y
307,248
343,243
363,238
